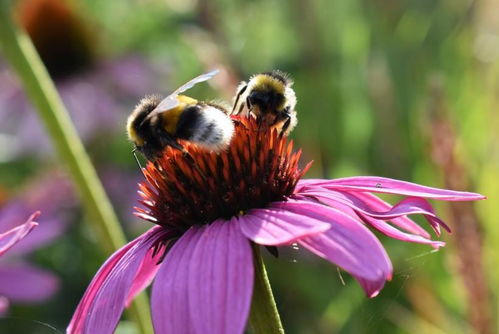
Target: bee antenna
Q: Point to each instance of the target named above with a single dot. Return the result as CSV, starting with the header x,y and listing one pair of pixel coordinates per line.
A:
x,y
137,160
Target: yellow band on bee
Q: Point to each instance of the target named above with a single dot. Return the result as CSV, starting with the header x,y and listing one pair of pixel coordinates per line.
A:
x,y
171,117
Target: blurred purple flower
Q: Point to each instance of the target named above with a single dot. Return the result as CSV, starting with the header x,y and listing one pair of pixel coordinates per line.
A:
x,y
7,240
200,254
20,281
98,100
98,94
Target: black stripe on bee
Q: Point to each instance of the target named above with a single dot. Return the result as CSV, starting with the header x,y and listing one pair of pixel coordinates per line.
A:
x,y
188,122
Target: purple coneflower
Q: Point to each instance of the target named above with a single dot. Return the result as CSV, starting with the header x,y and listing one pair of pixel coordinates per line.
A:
x,y
209,215
9,238
20,280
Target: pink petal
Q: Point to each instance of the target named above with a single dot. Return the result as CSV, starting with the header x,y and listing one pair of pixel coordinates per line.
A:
x,y
381,225
395,233
169,297
146,273
348,244
206,282
414,205
372,288
304,183
103,302
274,227
11,237
25,283
403,222
230,269
391,186
408,206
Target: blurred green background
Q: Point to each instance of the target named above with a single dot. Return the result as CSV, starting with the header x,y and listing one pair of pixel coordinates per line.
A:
x,y
402,89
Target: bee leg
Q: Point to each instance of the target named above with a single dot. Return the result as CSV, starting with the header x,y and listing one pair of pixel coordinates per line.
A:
x,y
242,105
239,93
248,104
286,125
259,121
283,116
240,109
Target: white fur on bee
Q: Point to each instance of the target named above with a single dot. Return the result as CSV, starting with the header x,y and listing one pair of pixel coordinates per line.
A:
x,y
214,129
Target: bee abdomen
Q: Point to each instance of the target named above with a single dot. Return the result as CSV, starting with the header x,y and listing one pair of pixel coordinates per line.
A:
x,y
205,125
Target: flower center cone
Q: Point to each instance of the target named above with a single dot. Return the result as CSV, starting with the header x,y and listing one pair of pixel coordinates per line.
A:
x,y
198,187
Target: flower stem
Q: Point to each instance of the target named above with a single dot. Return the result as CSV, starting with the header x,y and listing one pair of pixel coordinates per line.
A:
x,y
264,317
19,50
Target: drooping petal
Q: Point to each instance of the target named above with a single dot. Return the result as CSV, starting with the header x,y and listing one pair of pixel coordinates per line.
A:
x,y
377,204
413,205
205,282
348,244
81,313
381,225
25,283
391,186
103,302
11,237
274,227
408,206
395,233
146,273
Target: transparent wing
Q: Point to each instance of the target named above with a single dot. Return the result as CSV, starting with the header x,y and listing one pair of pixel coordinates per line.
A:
x,y
195,81
167,103
171,101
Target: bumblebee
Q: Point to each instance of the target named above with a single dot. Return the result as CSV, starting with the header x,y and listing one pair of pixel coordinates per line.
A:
x,y
268,96
155,124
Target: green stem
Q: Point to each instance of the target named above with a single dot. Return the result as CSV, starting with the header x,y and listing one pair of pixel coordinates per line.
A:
x,y
19,50
264,317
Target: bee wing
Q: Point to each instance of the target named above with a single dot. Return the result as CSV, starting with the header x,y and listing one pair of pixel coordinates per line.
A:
x,y
195,81
167,103
171,100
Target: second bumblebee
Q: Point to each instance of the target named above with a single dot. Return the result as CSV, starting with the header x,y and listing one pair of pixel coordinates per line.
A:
x,y
269,97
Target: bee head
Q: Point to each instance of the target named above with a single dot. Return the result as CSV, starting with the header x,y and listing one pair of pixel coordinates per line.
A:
x,y
267,91
266,99
136,127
